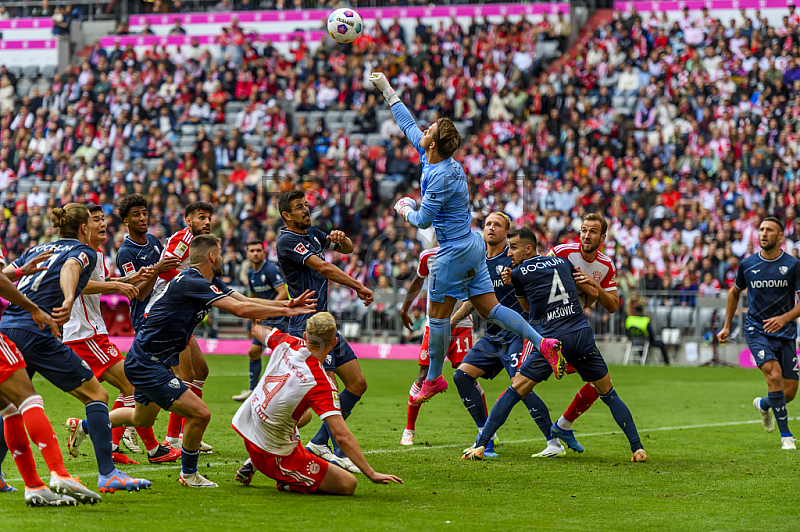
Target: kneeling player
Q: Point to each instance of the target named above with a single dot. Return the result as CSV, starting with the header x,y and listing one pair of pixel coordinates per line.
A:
x,y
460,344
293,382
546,290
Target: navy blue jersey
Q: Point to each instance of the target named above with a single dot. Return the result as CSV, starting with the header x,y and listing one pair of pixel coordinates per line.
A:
x,y
504,292
265,281
174,315
44,288
548,285
131,257
771,286
293,251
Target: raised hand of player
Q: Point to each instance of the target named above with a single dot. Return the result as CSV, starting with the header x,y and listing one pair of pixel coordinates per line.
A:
x,y
42,318
506,276
127,290
405,206
34,265
773,325
380,478
407,321
306,299
723,333
365,295
61,314
166,264
382,84
586,284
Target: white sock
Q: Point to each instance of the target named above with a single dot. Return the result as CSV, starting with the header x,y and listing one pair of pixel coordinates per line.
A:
x,y
564,424
153,451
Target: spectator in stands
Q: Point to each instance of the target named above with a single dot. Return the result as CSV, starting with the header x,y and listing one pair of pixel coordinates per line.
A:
x,y
176,28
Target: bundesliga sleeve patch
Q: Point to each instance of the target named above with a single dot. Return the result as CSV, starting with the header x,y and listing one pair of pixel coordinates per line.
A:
x,y
128,268
216,290
182,247
301,249
84,259
336,400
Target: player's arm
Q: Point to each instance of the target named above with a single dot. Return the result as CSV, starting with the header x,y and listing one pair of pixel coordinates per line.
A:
x,y
730,311
29,268
773,325
341,433
400,112
10,293
110,287
519,289
432,203
462,313
144,273
411,296
333,273
276,303
256,310
283,293
592,289
345,245
70,275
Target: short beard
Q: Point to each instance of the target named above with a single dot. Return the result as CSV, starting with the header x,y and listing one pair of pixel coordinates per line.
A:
x,y
770,246
591,250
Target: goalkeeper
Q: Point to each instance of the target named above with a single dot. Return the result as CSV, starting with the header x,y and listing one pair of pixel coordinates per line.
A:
x,y
459,270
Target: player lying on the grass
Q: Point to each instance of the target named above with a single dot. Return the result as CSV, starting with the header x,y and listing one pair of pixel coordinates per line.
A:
x,y
498,349
546,290
461,262
54,290
266,282
86,334
16,389
293,382
460,343
301,257
771,278
165,334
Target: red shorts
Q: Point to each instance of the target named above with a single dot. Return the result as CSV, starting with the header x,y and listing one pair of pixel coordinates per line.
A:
x,y
98,352
11,359
460,344
302,471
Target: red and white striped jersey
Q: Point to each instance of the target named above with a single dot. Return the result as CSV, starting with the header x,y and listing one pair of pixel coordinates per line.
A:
x,y
86,320
293,382
426,263
601,269
177,246
2,258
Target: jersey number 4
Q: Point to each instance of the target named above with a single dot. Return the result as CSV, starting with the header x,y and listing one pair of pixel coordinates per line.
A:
x,y
271,387
35,280
558,294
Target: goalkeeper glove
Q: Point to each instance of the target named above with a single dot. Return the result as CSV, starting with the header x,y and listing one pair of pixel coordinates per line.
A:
x,y
382,84
405,206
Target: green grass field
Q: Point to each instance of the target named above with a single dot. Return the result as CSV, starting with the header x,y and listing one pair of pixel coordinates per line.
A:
x,y
711,466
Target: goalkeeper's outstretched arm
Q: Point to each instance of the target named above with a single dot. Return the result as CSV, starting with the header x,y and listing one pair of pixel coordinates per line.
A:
x,y
400,112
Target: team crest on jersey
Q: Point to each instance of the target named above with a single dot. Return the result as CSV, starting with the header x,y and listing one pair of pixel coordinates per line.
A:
x,y
216,290
175,384
313,468
597,276
423,355
182,247
301,249
84,259
263,278
329,359
499,269
783,270
128,268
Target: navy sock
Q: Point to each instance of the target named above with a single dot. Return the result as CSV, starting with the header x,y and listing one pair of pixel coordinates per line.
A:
x,y
347,400
255,373
511,321
3,446
189,460
438,342
500,411
765,404
470,396
100,432
622,415
540,414
778,402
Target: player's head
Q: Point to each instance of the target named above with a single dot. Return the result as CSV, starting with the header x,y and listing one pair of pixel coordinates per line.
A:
x,y
255,252
441,136
133,212
770,233
593,232
72,221
320,334
97,225
205,249
198,217
521,245
294,210
496,228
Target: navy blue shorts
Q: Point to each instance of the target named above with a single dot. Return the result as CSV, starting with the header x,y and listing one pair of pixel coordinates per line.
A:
x,y
154,382
280,324
766,348
581,352
494,355
341,354
54,361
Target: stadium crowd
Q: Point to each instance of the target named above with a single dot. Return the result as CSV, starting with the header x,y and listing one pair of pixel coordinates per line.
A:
x,y
684,135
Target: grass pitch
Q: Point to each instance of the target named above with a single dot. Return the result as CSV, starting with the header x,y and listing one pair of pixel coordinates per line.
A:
x,y
711,465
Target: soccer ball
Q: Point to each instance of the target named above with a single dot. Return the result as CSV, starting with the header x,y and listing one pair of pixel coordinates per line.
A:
x,y
344,25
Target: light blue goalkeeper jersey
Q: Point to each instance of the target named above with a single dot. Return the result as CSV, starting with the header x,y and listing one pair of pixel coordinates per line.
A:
x,y
445,194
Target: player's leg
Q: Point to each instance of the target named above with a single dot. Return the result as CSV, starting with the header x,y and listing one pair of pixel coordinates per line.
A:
x,y
185,372
200,367
338,481
622,415
439,313
413,408
582,401
197,416
778,363
254,356
4,486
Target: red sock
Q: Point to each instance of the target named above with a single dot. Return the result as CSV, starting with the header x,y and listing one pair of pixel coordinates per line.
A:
x,y
584,399
483,396
413,408
17,441
148,437
41,433
174,426
117,432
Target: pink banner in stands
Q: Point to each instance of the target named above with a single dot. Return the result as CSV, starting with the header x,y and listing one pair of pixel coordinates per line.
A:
x,y
247,17
26,23
186,40
240,347
28,45
644,7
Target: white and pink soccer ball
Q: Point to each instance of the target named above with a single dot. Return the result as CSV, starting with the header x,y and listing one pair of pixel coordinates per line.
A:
x,y
345,25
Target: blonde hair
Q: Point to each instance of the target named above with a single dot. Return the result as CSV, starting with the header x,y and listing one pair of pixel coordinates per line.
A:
x,y
69,218
448,139
321,329
200,247
504,216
